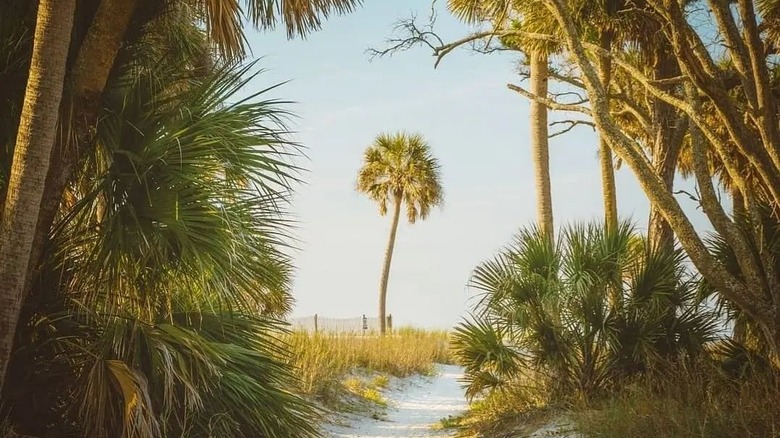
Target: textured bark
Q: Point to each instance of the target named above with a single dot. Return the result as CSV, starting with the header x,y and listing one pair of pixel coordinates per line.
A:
x,y
759,302
386,268
540,151
750,301
37,130
737,203
665,149
89,76
609,191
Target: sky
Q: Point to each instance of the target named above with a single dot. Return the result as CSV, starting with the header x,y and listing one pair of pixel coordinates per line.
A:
x,y
478,130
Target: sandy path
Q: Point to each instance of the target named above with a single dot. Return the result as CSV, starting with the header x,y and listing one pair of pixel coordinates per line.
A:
x,y
415,405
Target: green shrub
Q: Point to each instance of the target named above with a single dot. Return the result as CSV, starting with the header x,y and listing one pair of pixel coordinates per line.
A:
x,y
585,312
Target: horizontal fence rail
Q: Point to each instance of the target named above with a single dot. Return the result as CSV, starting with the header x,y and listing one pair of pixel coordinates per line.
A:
x,y
316,323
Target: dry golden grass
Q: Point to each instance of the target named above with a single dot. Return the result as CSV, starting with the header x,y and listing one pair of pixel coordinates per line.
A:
x,y
689,403
324,361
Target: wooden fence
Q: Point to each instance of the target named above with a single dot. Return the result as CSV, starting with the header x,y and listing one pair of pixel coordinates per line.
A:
x,y
317,323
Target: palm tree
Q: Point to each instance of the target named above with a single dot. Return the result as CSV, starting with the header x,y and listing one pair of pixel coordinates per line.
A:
x,y
531,16
399,169
35,137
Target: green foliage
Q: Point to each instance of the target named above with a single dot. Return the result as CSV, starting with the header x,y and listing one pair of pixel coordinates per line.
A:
x,y
154,312
400,168
584,313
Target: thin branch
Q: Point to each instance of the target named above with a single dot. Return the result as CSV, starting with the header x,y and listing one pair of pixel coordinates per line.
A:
x,y
692,198
566,79
571,124
549,103
580,98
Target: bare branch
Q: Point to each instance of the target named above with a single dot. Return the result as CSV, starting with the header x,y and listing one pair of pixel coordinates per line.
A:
x,y
690,196
570,124
549,103
580,98
571,80
410,36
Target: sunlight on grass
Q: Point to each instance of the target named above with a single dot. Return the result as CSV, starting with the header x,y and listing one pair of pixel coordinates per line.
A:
x,y
328,365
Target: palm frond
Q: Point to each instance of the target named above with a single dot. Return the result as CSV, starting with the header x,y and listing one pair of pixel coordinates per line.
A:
x,y
401,166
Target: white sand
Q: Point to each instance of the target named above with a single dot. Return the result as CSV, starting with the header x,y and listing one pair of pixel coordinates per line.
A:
x,y
415,405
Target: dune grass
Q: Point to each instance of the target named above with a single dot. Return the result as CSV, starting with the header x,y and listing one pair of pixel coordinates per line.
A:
x,y
333,366
683,402
688,404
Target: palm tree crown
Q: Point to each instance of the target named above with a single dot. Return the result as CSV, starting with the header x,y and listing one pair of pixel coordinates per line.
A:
x,y
401,167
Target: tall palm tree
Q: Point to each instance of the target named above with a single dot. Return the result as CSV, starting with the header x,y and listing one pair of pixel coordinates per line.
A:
x,y
530,16
34,140
399,169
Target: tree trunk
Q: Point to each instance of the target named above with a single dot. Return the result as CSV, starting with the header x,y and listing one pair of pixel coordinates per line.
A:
x,y
751,299
34,141
737,203
609,191
89,76
665,148
540,151
386,267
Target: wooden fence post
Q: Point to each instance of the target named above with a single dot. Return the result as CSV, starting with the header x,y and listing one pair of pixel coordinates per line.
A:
x,y
315,323
390,322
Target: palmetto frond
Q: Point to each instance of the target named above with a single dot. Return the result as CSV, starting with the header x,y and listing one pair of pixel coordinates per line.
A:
x,y
401,167
224,19
477,11
151,315
488,360
191,373
594,306
183,186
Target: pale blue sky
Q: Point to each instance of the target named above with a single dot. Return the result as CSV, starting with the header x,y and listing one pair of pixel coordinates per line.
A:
x,y
477,128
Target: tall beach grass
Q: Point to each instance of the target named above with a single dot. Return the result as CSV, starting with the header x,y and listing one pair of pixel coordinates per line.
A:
x,y
325,362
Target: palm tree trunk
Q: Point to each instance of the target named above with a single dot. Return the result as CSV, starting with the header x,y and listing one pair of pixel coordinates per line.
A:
x,y
609,191
540,151
386,267
34,142
90,74
666,148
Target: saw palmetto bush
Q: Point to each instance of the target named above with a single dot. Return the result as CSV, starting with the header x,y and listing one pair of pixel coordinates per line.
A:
x,y
155,312
581,314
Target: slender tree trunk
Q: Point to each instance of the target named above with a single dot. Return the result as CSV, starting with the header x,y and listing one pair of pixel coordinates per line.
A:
x,y
609,191
34,141
89,77
386,267
540,151
665,148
